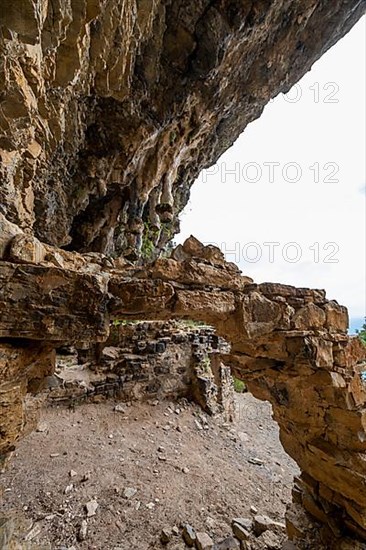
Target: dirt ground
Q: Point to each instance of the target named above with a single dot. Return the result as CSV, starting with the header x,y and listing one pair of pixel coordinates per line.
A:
x,y
147,467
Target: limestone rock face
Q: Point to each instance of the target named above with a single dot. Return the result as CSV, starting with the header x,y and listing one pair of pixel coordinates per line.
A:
x,y
22,370
111,108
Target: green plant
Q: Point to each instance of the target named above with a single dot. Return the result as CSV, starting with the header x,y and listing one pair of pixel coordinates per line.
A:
x,y
362,336
239,386
167,230
172,137
167,251
148,242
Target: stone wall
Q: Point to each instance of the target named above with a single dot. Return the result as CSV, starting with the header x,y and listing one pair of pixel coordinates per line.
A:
x,y
148,361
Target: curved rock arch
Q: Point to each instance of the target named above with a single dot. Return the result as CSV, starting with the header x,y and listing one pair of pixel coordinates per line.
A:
x,y
290,345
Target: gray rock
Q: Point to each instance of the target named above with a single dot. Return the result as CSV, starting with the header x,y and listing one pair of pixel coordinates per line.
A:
x,y
204,541
83,530
177,546
111,352
210,522
8,231
230,543
120,408
91,508
166,535
269,540
68,489
129,492
42,427
247,523
189,535
263,523
34,532
240,532
52,382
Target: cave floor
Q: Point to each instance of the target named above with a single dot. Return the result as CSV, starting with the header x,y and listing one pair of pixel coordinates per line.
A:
x,y
149,466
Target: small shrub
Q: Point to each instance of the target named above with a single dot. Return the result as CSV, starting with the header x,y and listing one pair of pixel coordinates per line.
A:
x,y
362,336
148,243
239,386
362,333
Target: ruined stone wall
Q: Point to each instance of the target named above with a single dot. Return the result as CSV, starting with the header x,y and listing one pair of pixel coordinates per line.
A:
x,y
147,361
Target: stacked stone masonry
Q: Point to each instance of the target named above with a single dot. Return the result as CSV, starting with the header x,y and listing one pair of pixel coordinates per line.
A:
x,y
147,361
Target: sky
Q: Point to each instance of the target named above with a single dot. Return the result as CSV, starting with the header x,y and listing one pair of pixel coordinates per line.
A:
x,y
287,202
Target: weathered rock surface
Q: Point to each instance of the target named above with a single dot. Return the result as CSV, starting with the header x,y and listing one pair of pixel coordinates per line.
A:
x,y
230,543
204,541
147,361
189,535
110,108
312,375
23,369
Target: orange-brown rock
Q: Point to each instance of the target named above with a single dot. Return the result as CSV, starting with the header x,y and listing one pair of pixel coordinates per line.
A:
x,y
111,108
310,372
23,368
